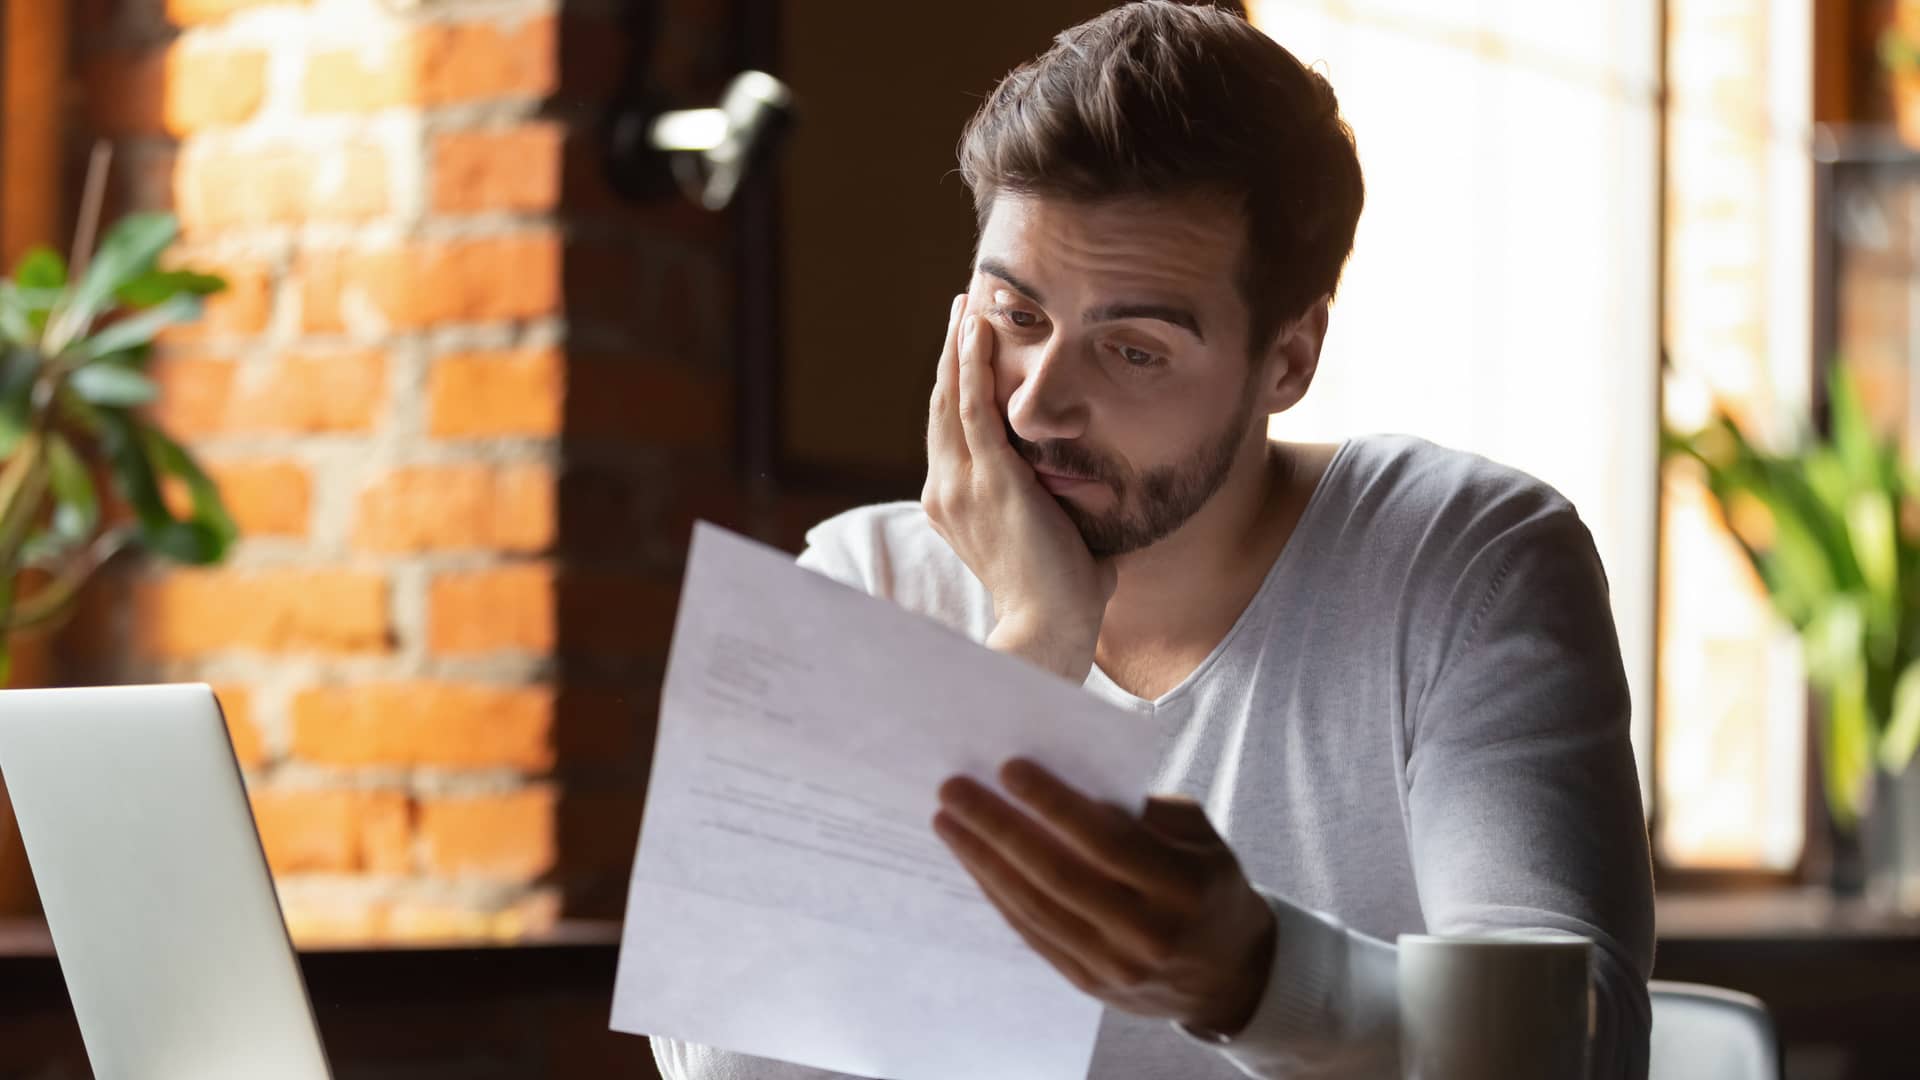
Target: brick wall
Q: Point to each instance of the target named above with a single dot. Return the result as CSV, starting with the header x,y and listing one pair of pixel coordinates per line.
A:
x,y
463,404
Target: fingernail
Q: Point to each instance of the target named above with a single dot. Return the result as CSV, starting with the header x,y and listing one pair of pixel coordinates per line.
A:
x,y
959,302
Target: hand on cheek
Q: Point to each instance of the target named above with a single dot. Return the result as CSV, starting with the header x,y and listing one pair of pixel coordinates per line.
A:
x,y
1049,592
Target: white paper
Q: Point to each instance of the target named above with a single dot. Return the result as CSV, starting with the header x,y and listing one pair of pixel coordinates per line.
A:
x,y
790,898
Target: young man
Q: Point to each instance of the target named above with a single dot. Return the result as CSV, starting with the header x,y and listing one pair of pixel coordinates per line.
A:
x,y
1385,674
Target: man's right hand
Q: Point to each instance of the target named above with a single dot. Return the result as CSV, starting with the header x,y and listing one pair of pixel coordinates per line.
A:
x,y
1049,592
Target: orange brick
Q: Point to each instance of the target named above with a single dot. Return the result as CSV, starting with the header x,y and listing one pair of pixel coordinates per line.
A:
x,y
503,609
331,830
509,837
438,64
427,723
194,393
284,184
479,279
243,308
386,832
442,507
236,702
524,916
540,392
265,498
516,169
495,394
299,394
174,90
189,12
191,613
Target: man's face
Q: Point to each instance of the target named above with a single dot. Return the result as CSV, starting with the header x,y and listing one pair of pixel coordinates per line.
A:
x,y
1121,355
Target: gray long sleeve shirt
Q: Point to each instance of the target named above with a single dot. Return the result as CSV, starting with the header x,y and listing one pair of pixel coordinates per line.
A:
x,y
1419,724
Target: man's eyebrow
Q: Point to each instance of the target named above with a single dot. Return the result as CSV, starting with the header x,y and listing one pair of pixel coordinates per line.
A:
x,y
999,269
1166,313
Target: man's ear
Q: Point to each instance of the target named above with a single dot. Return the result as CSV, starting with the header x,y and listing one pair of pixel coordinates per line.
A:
x,y
1292,359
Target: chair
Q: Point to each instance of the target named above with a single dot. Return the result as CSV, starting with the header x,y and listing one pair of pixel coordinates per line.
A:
x,y
1706,1033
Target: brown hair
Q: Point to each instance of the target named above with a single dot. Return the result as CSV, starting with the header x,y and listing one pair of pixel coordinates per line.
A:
x,y
1160,99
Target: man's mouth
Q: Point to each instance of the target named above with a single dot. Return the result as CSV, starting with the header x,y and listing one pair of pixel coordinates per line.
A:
x,y
1060,483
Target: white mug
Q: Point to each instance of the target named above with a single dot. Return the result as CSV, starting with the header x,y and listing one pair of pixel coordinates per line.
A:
x,y
1495,1008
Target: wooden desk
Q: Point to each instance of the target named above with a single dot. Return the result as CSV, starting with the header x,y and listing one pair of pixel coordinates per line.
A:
x,y
478,1009
1843,983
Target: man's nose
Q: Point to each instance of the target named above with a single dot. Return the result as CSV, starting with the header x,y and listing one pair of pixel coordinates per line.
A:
x,y
1045,401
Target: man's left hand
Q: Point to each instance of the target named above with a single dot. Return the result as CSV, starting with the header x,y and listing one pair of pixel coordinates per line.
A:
x,y
1151,915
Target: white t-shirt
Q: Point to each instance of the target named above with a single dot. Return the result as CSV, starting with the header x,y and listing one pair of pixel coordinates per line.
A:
x,y
1418,724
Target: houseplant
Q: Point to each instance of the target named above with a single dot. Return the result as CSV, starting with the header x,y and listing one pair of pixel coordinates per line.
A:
x,y
82,468
1899,47
1832,527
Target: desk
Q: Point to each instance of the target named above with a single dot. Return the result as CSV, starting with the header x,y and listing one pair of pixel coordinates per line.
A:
x,y
1844,985
1843,982
426,1011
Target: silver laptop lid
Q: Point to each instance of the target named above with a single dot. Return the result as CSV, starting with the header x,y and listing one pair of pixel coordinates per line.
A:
x,y
156,891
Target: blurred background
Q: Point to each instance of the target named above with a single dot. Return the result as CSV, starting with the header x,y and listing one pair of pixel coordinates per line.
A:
x,y
484,353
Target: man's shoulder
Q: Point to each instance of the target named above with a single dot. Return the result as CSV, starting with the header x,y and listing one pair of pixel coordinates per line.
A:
x,y
869,539
1429,492
891,550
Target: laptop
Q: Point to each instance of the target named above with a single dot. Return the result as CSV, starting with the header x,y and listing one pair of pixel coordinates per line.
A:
x,y
155,887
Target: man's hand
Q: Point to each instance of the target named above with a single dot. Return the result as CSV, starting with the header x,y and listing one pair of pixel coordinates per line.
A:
x,y
1153,916
1049,592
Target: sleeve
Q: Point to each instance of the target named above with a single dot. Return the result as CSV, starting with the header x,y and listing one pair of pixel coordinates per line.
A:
x,y
832,562
1524,812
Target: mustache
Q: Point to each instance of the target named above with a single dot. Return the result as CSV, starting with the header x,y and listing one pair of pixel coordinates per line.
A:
x,y
1061,456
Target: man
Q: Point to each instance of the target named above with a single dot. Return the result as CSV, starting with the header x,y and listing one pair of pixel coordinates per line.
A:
x,y
1385,673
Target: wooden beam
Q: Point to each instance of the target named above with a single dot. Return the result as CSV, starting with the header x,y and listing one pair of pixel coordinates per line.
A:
x,y
32,105
1833,61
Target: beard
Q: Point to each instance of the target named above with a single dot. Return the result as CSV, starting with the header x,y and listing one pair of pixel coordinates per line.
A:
x,y
1149,505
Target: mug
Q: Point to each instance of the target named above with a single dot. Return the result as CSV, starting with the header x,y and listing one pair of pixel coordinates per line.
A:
x,y
1514,1007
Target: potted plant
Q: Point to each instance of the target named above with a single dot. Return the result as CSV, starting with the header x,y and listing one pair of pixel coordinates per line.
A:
x,y
1900,58
82,468
1833,529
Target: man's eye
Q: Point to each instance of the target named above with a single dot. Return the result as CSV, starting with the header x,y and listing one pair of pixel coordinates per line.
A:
x,y
1025,320
1137,357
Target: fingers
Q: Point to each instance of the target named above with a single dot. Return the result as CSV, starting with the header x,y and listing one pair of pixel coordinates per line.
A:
x,y
1180,820
980,418
1023,856
1104,835
1077,947
946,442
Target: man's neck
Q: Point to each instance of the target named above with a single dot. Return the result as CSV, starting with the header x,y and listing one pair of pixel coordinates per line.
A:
x,y
1184,593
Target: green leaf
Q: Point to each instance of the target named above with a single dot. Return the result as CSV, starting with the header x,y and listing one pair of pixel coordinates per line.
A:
x,y
76,508
1853,434
139,455
127,253
210,520
41,268
159,286
23,485
1833,642
112,386
137,330
16,318
1902,737
1870,526
1847,758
